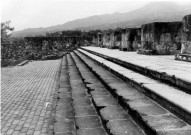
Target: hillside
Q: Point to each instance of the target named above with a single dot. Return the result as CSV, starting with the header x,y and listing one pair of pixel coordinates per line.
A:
x,y
155,11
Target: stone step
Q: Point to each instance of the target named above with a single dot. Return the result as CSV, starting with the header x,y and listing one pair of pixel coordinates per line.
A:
x,y
64,116
151,116
171,98
169,74
114,117
88,121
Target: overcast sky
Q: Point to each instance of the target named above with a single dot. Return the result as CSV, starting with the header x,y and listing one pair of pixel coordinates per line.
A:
x,y
43,13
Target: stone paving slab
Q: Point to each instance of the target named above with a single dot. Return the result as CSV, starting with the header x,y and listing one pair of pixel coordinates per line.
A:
x,y
91,131
27,97
123,127
105,101
88,122
113,113
166,66
85,111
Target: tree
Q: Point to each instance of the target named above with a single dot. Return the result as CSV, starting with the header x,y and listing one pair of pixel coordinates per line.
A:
x,y
5,31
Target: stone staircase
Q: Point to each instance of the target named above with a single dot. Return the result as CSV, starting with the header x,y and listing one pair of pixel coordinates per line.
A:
x,y
99,97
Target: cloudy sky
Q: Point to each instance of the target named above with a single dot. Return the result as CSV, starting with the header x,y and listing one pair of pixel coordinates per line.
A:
x,y
43,13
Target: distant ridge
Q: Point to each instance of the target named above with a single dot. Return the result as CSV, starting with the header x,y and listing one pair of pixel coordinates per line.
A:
x,y
152,12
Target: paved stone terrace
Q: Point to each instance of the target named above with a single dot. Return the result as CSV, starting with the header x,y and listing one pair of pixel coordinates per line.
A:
x,y
163,63
27,98
160,63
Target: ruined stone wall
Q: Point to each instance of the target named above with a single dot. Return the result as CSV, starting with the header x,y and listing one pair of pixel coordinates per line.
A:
x,y
106,41
94,41
117,36
162,37
99,40
147,36
112,40
186,35
117,41
167,38
136,44
154,38
131,39
123,41
117,44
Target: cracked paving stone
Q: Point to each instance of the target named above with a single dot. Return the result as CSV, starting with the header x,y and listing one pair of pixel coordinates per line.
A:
x,y
125,127
85,111
82,102
88,122
92,131
64,126
113,112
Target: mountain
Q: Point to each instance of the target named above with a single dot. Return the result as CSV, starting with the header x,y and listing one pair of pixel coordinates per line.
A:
x,y
152,12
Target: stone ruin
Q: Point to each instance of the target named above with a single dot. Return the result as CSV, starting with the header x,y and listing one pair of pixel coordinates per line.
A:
x,y
130,39
99,39
186,35
161,38
106,39
112,40
94,41
185,53
117,38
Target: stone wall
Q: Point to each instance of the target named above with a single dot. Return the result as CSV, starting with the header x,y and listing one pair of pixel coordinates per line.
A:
x,y
153,38
147,36
112,40
130,39
99,40
124,40
162,37
115,39
168,37
186,35
117,36
136,42
106,40
94,41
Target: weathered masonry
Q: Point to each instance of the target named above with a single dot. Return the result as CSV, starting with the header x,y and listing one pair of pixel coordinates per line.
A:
x,y
161,37
112,40
130,39
99,39
106,39
94,41
117,36
159,109
186,35
185,40
115,39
